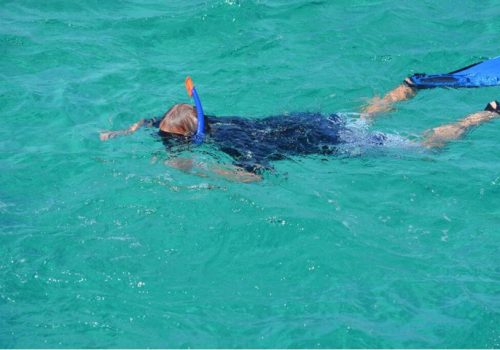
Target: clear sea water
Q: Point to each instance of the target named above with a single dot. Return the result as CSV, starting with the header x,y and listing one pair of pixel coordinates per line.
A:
x,y
102,245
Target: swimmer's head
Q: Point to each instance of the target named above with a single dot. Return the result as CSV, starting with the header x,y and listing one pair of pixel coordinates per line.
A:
x,y
180,119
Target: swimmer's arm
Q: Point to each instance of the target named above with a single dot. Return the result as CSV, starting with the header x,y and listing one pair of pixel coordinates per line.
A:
x,y
438,137
106,135
379,105
233,173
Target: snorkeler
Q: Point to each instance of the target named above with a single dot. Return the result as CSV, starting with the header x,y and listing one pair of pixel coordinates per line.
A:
x,y
254,143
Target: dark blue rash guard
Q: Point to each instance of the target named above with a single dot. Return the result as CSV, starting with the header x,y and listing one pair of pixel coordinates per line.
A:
x,y
254,143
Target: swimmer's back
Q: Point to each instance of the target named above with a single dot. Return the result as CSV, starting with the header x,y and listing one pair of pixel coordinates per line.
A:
x,y
256,142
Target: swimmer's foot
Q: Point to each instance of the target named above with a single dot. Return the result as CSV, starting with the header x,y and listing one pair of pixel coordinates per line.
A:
x,y
493,106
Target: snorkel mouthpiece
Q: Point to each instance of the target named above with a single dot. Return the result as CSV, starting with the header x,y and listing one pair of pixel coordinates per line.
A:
x,y
200,130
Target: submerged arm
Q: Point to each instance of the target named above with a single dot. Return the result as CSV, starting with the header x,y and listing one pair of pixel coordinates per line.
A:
x,y
231,173
237,174
438,137
378,105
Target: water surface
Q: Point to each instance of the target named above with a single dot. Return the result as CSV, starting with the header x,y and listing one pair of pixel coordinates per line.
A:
x,y
101,245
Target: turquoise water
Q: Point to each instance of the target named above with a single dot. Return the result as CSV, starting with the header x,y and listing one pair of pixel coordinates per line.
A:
x,y
102,245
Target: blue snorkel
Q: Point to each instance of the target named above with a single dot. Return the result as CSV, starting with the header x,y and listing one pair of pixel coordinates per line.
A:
x,y
200,130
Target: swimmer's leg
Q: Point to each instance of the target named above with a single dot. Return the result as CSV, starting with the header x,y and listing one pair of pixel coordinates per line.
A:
x,y
379,105
438,137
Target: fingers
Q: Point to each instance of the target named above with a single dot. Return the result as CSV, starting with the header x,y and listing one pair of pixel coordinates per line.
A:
x,y
105,135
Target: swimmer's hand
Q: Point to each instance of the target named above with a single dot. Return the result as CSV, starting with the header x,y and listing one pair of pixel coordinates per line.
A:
x,y
106,135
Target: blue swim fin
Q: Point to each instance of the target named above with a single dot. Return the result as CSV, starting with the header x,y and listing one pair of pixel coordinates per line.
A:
x,y
486,73
493,106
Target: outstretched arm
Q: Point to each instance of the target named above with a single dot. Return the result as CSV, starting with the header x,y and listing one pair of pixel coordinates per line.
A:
x,y
106,135
438,137
378,105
